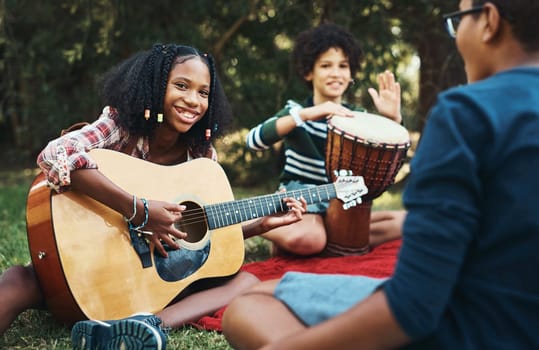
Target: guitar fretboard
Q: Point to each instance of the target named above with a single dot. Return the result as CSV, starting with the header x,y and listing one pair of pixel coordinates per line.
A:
x,y
234,212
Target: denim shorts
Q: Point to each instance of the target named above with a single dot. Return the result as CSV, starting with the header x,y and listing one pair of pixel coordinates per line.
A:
x,y
315,208
315,298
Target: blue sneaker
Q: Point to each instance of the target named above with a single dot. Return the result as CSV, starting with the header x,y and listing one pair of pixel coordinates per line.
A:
x,y
138,332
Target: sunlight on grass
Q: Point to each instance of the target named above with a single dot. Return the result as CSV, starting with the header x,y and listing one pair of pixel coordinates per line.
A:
x,y
388,201
13,192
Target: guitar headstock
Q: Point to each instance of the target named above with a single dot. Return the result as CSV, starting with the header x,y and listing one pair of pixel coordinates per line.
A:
x,y
349,188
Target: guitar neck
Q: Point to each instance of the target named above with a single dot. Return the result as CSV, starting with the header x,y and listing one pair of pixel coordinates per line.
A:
x,y
235,212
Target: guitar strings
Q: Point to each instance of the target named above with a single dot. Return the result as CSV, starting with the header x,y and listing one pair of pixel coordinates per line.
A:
x,y
243,206
240,207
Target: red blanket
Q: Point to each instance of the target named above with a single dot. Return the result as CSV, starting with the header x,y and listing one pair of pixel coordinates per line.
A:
x,y
380,262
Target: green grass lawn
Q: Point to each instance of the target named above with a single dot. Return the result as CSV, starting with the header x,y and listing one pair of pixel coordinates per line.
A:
x,y
38,329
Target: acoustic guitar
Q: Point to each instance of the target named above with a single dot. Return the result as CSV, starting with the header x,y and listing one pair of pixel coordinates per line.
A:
x,y
84,256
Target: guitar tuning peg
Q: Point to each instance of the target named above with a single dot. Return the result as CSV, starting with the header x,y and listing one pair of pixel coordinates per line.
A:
x,y
342,172
349,204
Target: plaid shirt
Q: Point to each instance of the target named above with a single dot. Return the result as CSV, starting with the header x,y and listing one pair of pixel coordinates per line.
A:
x,y
70,151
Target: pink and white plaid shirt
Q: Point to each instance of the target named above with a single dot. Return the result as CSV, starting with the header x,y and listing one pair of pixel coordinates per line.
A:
x,y
70,151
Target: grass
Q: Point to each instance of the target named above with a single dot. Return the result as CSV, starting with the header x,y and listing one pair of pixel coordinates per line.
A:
x,y
36,329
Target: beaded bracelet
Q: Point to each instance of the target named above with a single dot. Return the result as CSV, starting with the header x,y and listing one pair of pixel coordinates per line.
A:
x,y
146,217
134,210
146,213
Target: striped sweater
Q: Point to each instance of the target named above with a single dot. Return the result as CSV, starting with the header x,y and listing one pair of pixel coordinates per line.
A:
x,y
304,147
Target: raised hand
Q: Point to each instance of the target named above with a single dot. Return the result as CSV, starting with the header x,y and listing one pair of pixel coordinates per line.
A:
x,y
388,97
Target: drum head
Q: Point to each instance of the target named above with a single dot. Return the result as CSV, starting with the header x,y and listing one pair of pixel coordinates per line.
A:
x,y
370,128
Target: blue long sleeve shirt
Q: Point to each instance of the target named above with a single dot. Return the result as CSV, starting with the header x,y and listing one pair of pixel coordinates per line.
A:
x,y
466,276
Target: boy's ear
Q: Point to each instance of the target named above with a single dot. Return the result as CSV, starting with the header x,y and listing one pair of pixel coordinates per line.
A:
x,y
492,23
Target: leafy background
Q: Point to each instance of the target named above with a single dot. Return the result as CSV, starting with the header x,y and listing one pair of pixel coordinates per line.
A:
x,y
52,52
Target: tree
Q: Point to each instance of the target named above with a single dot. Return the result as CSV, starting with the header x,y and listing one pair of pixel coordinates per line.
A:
x,y
49,62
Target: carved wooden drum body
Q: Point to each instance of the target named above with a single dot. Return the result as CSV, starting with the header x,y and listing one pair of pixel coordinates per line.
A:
x,y
371,146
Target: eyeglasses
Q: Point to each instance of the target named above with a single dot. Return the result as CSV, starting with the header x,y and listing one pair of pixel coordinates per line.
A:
x,y
452,20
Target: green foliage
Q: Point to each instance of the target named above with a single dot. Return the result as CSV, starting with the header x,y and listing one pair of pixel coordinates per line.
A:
x,y
52,52
245,167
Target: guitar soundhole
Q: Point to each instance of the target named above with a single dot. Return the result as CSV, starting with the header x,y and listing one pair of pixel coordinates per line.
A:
x,y
193,222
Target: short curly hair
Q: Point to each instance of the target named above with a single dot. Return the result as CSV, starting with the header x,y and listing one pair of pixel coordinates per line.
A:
x,y
140,82
313,42
522,16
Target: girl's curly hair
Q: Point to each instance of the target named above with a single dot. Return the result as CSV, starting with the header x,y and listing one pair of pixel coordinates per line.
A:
x,y
140,82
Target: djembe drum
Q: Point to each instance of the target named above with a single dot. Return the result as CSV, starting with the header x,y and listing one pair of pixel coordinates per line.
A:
x,y
371,146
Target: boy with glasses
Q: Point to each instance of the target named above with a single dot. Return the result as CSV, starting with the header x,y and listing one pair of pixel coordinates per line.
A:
x,y
466,275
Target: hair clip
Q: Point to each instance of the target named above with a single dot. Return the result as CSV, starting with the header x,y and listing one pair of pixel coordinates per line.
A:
x,y
146,114
159,117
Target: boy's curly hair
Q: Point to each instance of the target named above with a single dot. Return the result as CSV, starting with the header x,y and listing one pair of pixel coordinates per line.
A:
x,y
311,43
